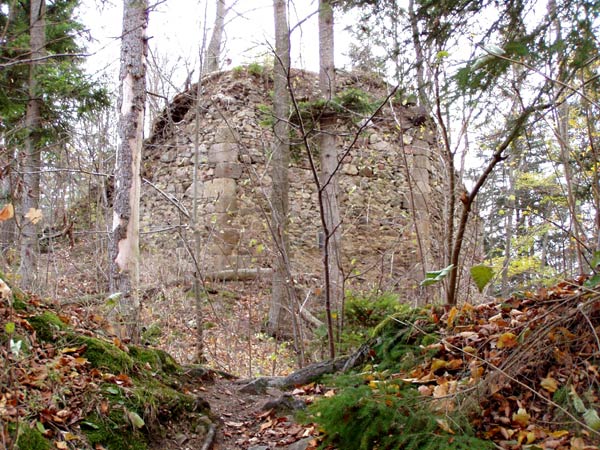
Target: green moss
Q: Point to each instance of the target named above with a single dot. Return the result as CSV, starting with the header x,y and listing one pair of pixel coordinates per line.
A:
x,y
31,439
157,360
113,432
19,300
104,355
47,325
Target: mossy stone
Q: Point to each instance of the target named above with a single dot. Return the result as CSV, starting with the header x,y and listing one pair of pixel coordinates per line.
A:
x,y
104,355
46,325
158,360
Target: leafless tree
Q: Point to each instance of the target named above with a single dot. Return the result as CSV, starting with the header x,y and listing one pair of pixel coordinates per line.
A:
x,y
124,254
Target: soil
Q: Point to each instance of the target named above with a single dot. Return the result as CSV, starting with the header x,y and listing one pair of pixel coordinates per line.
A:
x,y
241,421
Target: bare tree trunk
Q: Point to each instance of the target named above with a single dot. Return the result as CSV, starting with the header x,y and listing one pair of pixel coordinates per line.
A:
x,y
280,308
213,53
330,214
124,252
561,117
32,157
420,59
508,229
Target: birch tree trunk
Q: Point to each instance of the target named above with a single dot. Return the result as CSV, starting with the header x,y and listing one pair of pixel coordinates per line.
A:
x,y
124,252
31,161
280,311
330,213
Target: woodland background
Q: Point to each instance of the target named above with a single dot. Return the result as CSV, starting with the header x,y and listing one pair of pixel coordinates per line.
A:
x,y
512,91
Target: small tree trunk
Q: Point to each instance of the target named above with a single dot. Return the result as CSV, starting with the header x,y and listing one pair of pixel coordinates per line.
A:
x,y
280,308
32,157
124,254
508,229
213,53
330,214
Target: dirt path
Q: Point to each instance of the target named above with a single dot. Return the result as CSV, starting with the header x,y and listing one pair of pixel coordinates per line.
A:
x,y
247,421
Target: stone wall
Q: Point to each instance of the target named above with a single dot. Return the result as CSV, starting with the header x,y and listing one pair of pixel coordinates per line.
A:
x,y
234,142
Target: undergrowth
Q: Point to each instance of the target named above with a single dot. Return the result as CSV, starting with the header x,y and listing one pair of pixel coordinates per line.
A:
x,y
376,409
383,414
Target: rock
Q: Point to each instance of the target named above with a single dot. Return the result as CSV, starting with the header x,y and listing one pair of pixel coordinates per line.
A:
x,y
381,146
167,157
228,170
259,447
223,153
374,138
302,444
284,405
226,134
350,169
256,386
365,172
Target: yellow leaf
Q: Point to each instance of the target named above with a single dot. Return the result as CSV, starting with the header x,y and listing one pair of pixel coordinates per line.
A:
x,y
437,364
452,316
61,444
7,212
521,417
69,349
507,340
550,384
70,436
34,215
469,349
559,434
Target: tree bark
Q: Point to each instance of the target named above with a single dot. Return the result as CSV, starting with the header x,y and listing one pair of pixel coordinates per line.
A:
x,y
124,254
280,311
330,214
213,52
32,158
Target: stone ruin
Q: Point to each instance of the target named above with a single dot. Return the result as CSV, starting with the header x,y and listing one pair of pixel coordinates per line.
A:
x,y
393,168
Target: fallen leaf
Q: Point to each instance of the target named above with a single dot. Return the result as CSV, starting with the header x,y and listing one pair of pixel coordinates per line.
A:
x,y
34,215
135,419
521,417
550,384
7,212
507,340
265,425
234,424
443,424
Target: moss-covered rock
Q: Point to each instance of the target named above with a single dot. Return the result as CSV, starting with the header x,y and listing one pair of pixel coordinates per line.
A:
x,y
154,359
47,325
105,355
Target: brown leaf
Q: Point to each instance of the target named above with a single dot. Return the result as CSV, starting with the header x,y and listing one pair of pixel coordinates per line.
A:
x,y
7,212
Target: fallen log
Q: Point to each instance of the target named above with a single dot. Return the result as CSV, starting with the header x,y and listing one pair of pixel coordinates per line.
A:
x,y
238,274
306,374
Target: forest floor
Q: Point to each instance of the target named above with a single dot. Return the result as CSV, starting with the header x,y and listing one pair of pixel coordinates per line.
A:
x,y
534,356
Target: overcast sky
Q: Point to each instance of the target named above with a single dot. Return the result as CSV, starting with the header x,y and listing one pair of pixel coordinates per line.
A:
x,y
176,29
